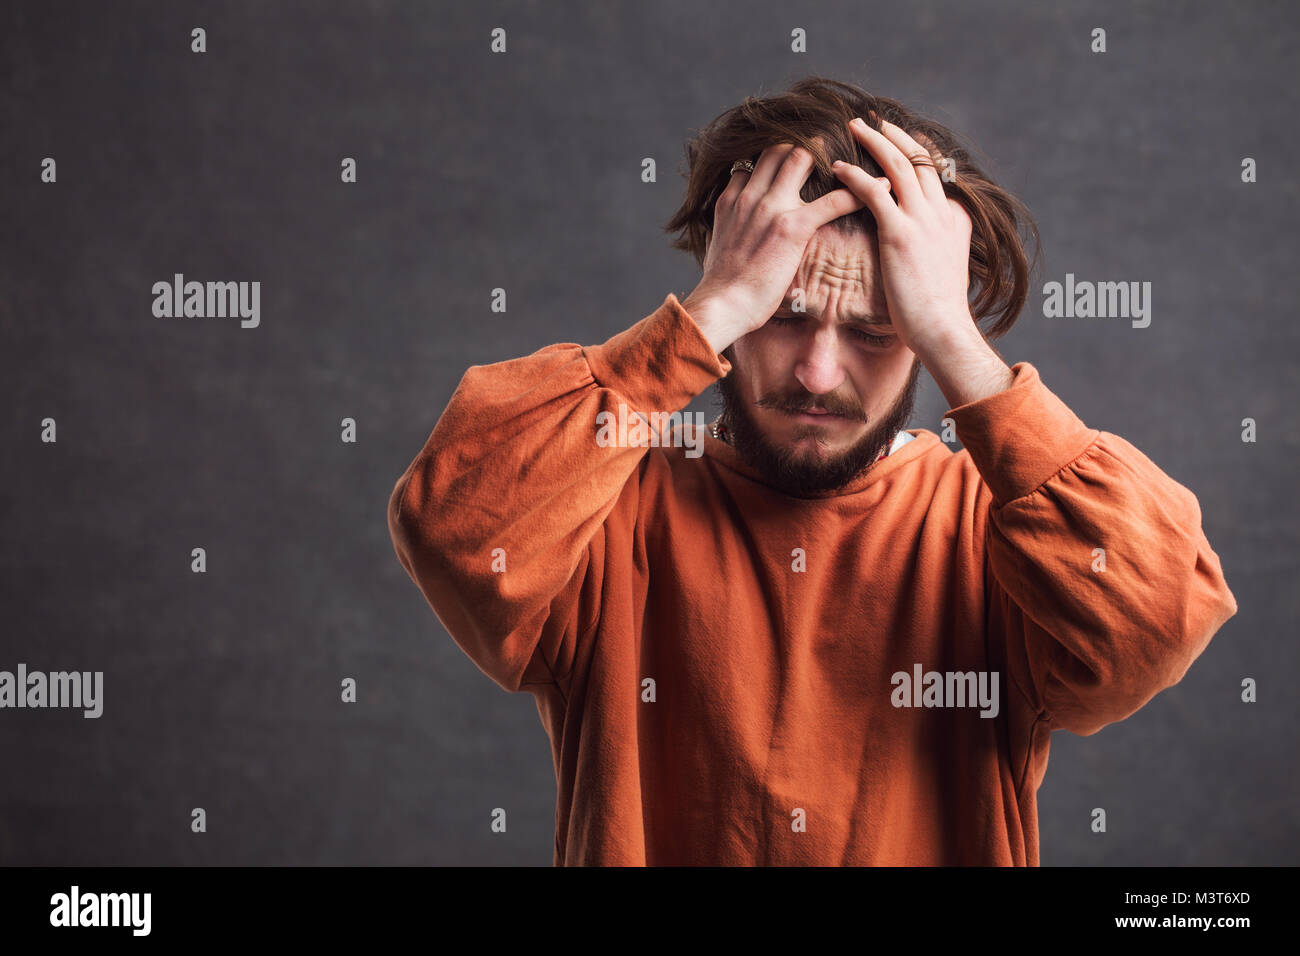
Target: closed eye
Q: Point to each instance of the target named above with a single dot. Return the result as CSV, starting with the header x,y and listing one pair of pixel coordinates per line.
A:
x,y
879,341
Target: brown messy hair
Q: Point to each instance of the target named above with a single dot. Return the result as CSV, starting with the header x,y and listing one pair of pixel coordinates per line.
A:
x,y
814,113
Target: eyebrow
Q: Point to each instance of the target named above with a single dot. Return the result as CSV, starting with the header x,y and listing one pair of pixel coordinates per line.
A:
x,y
869,319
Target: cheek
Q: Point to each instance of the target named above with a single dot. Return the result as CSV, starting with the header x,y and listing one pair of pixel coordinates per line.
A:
x,y
758,364
883,374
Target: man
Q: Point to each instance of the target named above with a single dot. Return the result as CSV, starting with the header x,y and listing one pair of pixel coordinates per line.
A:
x,y
825,640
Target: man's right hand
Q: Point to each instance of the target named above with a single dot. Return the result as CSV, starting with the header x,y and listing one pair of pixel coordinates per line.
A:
x,y
761,227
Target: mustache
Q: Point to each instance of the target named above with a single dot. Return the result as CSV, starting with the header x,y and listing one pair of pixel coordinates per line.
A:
x,y
804,401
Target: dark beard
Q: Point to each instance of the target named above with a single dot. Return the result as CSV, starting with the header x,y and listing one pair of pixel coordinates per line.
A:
x,y
801,475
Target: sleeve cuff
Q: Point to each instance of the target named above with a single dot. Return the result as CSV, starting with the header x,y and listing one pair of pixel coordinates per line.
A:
x,y
661,363
1020,437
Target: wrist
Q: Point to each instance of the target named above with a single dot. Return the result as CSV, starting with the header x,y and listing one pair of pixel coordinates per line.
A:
x,y
963,364
943,339
718,321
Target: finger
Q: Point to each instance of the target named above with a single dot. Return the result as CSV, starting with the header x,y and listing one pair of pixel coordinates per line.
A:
x,y
874,193
794,172
919,157
732,192
836,203
765,169
901,173
962,218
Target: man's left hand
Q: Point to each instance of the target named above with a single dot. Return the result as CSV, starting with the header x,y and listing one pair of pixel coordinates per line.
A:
x,y
923,240
923,236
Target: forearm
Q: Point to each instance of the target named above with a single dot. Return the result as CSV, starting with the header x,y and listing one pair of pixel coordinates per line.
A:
x,y
524,436
1112,589
496,517
1101,578
963,364
524,464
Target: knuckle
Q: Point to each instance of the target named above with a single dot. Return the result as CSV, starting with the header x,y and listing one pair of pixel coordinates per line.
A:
x,y
787,225
744,199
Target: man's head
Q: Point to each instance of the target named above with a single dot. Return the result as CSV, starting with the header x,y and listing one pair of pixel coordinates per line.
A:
x,y
813,397
822,358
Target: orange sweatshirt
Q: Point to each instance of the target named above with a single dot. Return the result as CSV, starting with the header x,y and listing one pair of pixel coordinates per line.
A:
x,y
732,676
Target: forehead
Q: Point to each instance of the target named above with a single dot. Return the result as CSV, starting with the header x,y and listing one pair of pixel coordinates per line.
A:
x,y
843,266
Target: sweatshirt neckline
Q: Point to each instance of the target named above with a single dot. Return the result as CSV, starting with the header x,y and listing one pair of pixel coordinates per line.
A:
x,y
923,441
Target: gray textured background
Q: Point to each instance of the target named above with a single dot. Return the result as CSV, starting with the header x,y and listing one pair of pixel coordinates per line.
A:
x,y
522,170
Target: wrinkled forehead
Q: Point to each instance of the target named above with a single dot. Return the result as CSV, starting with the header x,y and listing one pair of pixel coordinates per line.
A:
x,y
842,267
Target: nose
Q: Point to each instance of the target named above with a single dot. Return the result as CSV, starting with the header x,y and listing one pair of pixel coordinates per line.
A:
x,y
818,367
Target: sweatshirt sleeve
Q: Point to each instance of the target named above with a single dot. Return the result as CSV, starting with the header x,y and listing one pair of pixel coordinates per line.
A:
x,y
1087,643
501,518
